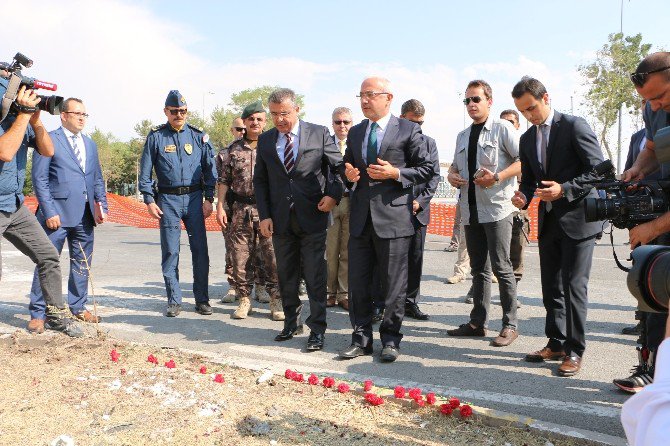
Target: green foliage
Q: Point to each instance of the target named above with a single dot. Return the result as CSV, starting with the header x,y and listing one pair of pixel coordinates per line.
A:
x,y
28,184
609,83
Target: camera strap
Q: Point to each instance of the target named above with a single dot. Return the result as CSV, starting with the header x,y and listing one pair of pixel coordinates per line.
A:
x,y
10,95
616,259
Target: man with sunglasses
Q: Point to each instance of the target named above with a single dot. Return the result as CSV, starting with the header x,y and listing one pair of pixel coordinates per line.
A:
x,y
69,210
652,82
183,161
486,161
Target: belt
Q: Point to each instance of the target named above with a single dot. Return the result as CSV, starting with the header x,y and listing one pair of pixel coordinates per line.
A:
x,y
251,199
181,190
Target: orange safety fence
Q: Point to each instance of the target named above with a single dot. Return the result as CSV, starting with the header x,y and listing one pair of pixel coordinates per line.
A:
x,y
128,211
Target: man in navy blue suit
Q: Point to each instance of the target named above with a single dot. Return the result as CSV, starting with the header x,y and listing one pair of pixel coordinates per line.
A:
x,y
71,195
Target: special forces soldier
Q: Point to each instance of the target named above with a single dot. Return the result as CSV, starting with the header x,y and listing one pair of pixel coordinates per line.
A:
x,y
245,236
183,160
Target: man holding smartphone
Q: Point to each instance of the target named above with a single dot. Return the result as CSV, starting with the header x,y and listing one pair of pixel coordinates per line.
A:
x,y
486,161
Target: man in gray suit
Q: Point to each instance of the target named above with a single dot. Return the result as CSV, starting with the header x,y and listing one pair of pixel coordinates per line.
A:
x,y
385,157
294,195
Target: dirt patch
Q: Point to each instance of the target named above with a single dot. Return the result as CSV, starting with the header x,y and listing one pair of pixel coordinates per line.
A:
x,y
63,387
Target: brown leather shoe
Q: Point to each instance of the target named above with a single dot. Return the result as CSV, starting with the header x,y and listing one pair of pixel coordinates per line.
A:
x,y
570,366
546,354
87,316
36,326
506,337
331,301
344,303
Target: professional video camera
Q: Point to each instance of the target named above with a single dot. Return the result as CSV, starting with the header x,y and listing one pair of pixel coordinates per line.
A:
x,y
16,80
649,278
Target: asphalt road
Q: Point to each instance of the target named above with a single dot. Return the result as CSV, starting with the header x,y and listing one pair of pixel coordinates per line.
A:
x,y
130,293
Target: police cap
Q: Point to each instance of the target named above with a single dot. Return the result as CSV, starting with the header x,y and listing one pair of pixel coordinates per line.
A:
x,y
256,107
175,99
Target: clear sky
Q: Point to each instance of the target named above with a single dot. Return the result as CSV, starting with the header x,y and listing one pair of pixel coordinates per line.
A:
x,y
122,57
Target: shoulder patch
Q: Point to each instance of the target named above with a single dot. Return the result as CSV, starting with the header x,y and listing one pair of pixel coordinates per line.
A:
x,y
158,127
205,138
197,129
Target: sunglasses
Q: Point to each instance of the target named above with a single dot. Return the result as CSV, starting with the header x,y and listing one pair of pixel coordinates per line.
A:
x,y
178,111
342,121
240,129
640,78
475,99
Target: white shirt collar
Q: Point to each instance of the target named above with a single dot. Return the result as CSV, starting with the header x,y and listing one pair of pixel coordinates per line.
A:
x,y
382,122
69,134
550,118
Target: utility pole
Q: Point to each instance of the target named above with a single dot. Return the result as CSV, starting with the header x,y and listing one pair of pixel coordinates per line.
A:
x,y
618,150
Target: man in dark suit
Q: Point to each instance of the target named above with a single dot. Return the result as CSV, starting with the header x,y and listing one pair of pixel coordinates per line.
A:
x,y
557,154
386,157
294,195
71,195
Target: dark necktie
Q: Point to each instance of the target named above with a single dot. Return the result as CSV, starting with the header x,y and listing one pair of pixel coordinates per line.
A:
x,y
372,144
289,161
77,153
544,131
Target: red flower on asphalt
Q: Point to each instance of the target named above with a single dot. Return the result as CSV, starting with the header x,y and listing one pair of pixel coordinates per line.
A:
x,y
218,378
313,379
374,400
466,411
414,393
328,382
343,388
170,364
114,355
446,409
367,385
420,402
298,378
399,392
430,398
203,369
152,359
454,403
289,374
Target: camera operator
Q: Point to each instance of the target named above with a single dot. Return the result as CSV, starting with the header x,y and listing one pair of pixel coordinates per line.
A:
x,y
17,224
652,82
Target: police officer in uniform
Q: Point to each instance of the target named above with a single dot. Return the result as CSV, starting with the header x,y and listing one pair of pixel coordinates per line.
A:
x,y
183,161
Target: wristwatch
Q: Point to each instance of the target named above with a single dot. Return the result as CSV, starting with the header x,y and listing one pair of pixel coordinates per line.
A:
x,y
210,199
496,178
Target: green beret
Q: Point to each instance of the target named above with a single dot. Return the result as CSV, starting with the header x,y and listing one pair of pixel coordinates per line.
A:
x,y
256,107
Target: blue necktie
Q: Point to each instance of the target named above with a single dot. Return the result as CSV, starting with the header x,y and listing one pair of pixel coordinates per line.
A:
x,y
372,144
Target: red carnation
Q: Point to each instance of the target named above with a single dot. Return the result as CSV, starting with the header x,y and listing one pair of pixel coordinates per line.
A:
x,y
454,403
313,379
170,364
446,409
399,392
367,385
298,378
218,378
343,388
152,359
414,393
289,374
430,398
328,382
373,399
203,369
466,411
420,402
114,355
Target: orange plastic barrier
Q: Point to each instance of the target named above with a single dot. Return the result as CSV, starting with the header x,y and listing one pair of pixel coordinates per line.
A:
x,y
128,211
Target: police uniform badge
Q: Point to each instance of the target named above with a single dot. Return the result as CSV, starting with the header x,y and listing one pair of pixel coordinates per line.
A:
x,y
170,149
188,148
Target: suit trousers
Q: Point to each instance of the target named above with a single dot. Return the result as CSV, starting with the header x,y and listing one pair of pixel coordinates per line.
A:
x,y
80,246
21,229
337,251
415,267
293,248
565,266
391,258
491,241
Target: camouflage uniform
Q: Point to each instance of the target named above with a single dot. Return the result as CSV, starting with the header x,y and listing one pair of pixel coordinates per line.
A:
x,y
220,158
245,237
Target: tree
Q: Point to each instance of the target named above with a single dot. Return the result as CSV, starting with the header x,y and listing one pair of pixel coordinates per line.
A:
x,y
609,85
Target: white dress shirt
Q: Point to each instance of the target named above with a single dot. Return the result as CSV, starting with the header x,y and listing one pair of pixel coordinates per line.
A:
x,y
80,145
281,142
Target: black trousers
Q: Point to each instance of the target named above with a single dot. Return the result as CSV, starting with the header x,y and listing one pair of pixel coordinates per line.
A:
x,y
415,268
565,266
293,249
390,256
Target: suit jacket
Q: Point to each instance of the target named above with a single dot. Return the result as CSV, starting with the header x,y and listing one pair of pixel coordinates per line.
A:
x,y
388,202
61,186
307,183
424,192
572,152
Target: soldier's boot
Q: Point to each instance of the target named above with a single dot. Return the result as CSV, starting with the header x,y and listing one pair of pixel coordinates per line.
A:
x,y
261,294
230,297
243,309
276,309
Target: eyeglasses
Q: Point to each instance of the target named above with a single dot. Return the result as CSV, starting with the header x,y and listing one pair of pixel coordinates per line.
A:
x,y
640,78
342,121
282,114
370,94
239,129
178,111
78,114
475,99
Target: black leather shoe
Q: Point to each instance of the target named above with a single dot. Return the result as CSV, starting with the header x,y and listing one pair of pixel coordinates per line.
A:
x,y
288,333
203,308
315,341
412,310
389,354
377,314
354,351
173,310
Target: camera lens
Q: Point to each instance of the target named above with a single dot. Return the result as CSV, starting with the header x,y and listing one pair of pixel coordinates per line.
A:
x,y
649,278
50,104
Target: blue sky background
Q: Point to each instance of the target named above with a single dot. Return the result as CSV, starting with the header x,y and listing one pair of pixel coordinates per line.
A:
x,y
122,57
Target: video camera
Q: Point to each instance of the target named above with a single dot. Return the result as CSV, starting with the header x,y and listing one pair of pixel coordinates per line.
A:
x,y
50,104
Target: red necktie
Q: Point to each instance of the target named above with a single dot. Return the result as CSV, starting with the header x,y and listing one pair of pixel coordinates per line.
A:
x,y
288,154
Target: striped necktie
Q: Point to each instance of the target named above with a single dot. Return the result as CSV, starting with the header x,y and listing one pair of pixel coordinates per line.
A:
x,y
289,161
77,152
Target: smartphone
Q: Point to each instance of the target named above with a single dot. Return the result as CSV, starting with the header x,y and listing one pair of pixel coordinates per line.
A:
x,y
478,174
